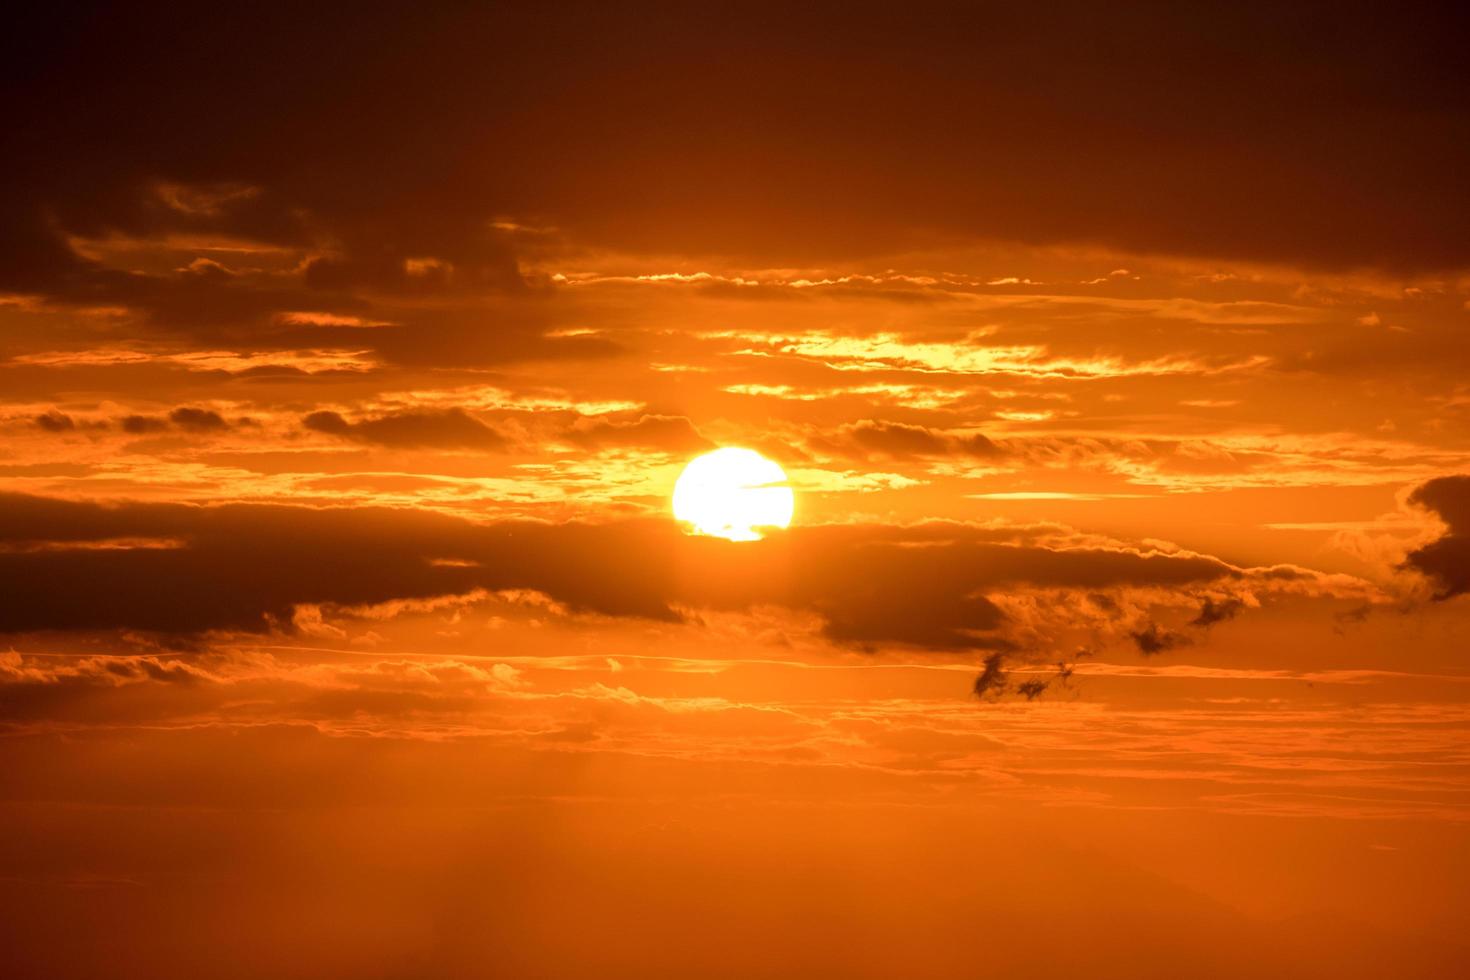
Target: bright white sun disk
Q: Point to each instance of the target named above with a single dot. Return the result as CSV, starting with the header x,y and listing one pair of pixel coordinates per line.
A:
x,y
730,493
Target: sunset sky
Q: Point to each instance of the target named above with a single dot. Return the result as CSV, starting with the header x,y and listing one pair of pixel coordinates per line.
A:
x,y
1117,359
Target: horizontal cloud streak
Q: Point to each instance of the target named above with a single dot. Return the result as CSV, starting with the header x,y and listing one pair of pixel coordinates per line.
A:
x,y
249,567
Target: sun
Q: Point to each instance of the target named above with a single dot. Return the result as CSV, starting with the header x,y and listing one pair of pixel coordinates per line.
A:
x,y
731,493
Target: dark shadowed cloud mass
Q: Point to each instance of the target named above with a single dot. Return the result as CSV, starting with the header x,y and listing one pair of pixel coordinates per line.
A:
x,y
1446,560
183,569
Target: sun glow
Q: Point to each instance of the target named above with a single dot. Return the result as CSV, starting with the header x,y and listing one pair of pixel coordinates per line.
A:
x,y
731,493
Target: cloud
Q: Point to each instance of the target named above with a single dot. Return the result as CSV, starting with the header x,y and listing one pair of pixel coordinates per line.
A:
x,y
249,567
449,429
1446,560
1032,689
54,421
1212,612
457,429
198,420
185,418
994,681
899,440
992,678
1155,639
143,424
435,227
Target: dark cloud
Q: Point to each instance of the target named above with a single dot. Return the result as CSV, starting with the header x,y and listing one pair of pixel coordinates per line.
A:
x,y
54,421
197,419
1155,639
1032,689
450,429
1072,123
900,440
246,568
1352,617
1212,612
994,681
992,678
414,169
74,688
185,417
1446,560
143,424
456,428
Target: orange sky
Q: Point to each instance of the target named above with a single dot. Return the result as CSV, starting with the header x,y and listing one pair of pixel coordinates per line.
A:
x,y
1117,359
